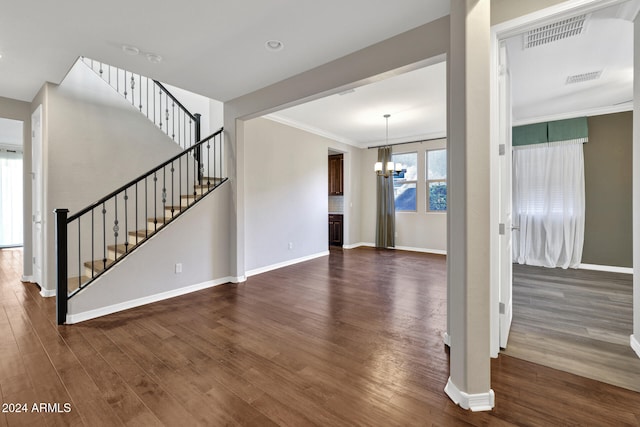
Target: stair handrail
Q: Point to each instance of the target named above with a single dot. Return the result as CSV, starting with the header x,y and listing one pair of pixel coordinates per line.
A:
x,y
201,168
195,117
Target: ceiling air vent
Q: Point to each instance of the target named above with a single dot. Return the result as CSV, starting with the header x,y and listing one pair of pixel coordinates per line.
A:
x,y
554,32
584,77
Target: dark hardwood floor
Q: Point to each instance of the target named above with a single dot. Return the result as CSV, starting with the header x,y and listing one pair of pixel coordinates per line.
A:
x,y
578,321
350,339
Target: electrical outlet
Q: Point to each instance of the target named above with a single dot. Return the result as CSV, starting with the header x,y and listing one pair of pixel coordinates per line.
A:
x,y
179,268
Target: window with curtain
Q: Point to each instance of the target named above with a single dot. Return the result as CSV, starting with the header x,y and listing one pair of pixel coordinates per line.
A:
x,y
549,204
10,198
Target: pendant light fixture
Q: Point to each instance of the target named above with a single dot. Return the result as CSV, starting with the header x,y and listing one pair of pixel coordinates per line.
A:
x,y
390,169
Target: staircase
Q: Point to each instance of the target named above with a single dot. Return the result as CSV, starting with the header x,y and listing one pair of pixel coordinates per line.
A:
x,y
98,237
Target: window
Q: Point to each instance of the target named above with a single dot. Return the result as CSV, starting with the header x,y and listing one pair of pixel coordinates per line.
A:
x,y
436,180
404,184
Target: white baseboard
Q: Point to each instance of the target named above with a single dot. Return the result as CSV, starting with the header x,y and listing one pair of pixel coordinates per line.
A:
x,y
47,292
399,248
609,268
27,279
447,339
475,402
357,245
238,279
424,250
635,345
285,263
103,311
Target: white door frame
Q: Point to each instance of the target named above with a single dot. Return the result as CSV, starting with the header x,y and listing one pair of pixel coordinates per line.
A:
x,y
500,32
37,218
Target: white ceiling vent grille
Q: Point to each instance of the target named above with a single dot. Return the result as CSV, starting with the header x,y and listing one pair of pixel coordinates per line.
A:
x,y
553,32
584,77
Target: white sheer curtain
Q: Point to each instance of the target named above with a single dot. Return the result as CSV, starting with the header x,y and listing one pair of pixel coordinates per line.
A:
x,y
548,204
10,199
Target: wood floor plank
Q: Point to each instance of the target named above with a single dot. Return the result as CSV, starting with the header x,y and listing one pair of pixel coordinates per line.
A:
x,y
350,339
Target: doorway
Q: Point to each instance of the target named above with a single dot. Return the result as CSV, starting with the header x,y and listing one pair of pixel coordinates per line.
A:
x,y
501,33
11,193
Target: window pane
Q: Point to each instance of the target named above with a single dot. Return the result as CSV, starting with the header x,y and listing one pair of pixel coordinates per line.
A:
x,y
405,196
437,164
409,161
437,196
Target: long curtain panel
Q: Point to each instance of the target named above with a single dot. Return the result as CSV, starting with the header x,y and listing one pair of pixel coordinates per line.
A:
x,y
549,204
385,207
10,199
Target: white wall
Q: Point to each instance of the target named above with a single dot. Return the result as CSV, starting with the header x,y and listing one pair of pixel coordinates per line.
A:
x,y
286,193
421,230
198,240
94,142
209,109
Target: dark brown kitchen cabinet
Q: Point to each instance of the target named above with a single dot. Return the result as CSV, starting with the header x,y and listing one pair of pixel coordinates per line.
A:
x,y
335,229
336,175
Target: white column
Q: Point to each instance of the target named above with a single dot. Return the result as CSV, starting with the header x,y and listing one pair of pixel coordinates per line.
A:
x,y
469,383
635,338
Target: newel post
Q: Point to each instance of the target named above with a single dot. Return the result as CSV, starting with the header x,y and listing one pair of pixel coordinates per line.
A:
x,y
61,265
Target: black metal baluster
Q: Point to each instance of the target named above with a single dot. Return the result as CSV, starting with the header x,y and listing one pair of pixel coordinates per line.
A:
x,y
155,202
79,254
136,229
180,181
126,223
154,107
133,90
208,164
146,213
167,114
92,242
179,139
173,120
101,71
164,194
140,91
124,84
160,112
187,176
116,228
104,236
173,206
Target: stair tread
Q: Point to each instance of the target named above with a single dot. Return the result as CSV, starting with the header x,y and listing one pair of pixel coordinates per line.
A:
x,y
98,265
74,283
121,247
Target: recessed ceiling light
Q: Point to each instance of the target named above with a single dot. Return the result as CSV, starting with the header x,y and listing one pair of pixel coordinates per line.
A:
x,y
154,58
130,50
274,45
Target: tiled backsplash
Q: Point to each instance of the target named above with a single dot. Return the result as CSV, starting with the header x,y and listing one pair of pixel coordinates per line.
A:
x,y
336,204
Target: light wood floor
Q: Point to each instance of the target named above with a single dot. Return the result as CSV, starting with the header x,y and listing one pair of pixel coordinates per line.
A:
x,y
350,339
578,321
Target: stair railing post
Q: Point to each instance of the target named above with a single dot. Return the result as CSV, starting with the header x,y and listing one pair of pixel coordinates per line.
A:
x,y
198,150
61,263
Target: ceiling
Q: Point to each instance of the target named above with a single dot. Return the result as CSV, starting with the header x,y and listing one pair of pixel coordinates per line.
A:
x,y
216,48
417,100
212,47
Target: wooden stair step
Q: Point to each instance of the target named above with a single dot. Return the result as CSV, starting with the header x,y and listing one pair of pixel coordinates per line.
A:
x,y
141,235
121,249
74,283
97,266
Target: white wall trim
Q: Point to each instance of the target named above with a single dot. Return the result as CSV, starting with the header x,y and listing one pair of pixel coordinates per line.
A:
x,y
27,279
398,248
260,270
423,250
627,106
609,268
447,339
46,293
103,311
238,279
475,402
298,125
357,245
635,345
